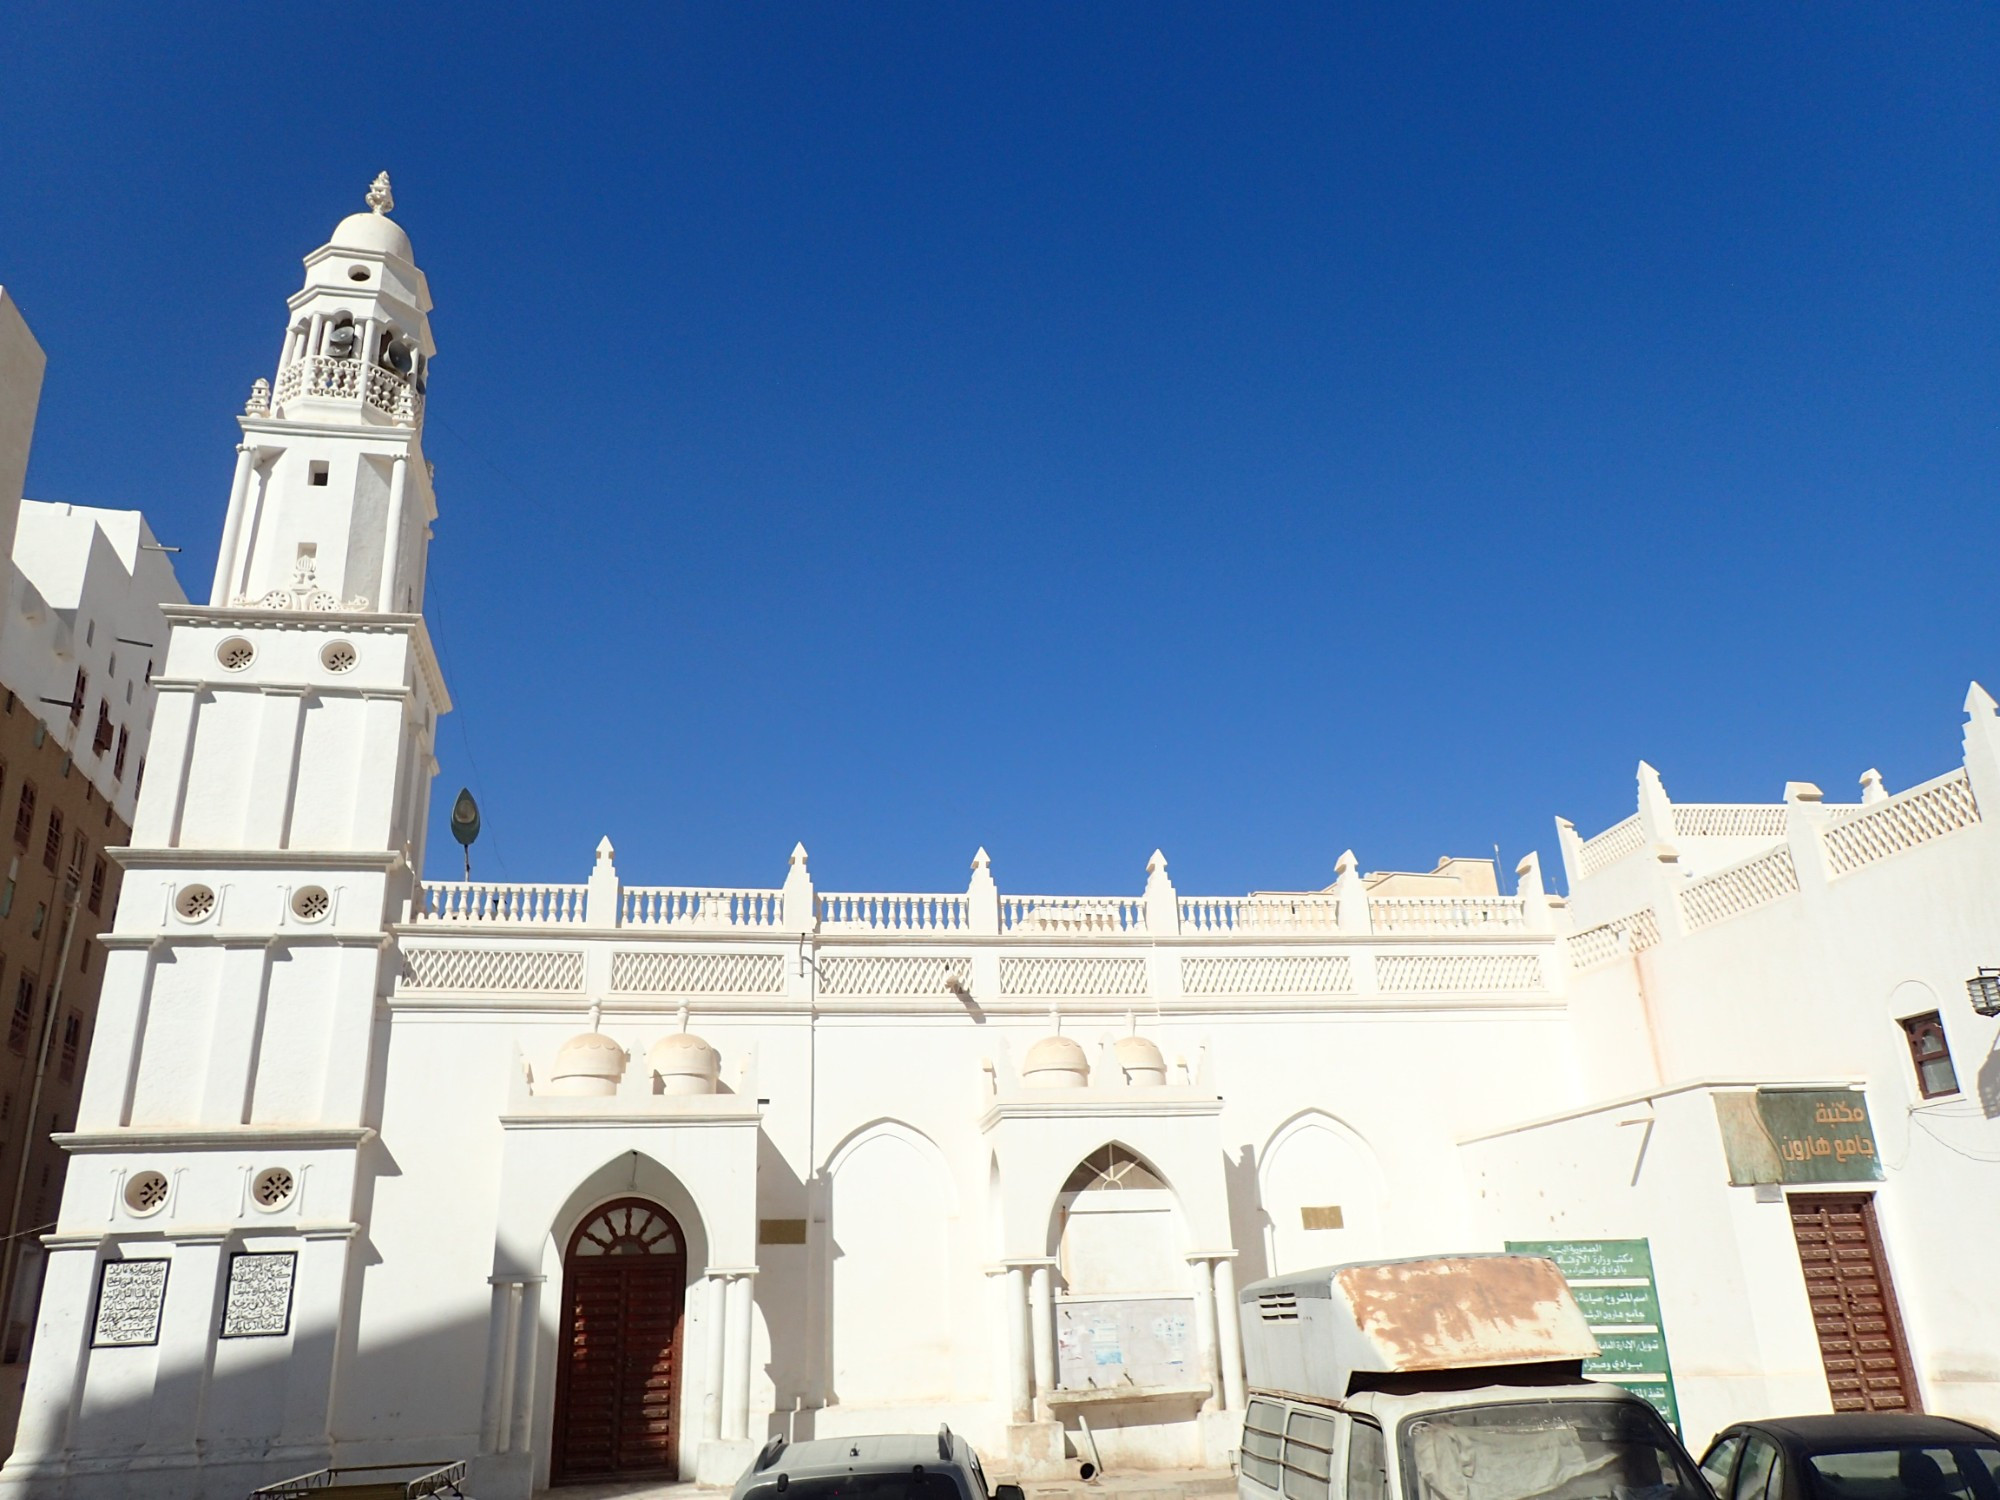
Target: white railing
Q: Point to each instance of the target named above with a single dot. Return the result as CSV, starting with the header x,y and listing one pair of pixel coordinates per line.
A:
x,y
1906,820
494,902
1267,914
1628,934
1610,846
870,912
1447,914
322,376
1072,916
1729,820
698,906
1740,888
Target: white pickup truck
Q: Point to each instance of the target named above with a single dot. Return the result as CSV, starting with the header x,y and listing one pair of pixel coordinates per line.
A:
x,y
1452,1378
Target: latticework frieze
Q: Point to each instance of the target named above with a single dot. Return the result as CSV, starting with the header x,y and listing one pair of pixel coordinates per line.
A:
x,y
652,972
893,976
1272,974
547,970
1634,933
1081,978
1610,846
1906,820
1457,973
1745,887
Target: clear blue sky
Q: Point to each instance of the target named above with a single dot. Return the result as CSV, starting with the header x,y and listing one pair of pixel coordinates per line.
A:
x,y
1249,430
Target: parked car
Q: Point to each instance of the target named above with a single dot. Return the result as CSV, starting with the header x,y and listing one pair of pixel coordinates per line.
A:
x,y
1854,1456
900,1466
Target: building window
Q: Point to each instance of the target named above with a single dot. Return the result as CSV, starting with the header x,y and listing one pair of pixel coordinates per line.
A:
x,y
118,760
41,916
24,1012
52,843
77,695
7,899
1935,1074
101,741
24,815
97,884
72,1040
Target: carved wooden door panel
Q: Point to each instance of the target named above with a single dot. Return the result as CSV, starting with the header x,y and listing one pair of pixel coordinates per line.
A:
x,y
1854,1309
618,1382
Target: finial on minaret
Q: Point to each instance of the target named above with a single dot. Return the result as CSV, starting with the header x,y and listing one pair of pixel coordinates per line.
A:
x,y
379,197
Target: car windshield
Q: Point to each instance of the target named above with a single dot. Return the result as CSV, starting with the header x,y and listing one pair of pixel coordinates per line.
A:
x,y
1546,1450
1958,1472
892,1484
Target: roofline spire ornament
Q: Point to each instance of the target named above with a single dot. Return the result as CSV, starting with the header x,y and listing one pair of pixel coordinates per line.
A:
x,y
379,197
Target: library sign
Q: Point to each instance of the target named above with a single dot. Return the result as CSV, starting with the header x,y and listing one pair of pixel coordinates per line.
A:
x,y
1797,1135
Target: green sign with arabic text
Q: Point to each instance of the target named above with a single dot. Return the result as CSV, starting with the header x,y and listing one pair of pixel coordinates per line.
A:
x,y
1612,1281
1797,1135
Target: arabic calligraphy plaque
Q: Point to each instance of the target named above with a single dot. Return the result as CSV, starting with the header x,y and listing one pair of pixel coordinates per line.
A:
x,y
260,1294
130,1294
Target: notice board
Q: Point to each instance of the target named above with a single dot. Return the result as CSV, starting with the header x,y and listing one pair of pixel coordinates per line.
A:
x,y
1613,1284
1125,1341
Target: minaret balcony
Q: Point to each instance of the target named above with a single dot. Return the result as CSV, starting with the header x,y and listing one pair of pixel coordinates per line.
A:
x,y
374,388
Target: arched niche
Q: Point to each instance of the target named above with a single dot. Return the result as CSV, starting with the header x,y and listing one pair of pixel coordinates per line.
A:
x,y
891,1199
1322,1191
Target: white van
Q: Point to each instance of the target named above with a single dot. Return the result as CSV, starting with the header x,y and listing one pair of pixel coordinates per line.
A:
x,y
1456,1378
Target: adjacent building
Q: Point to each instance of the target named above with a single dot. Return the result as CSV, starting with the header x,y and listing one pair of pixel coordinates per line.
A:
x,y
591,1179
80,630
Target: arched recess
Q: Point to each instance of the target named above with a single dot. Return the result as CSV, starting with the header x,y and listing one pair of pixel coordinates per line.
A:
x,y
890,1265
1323,1195
1124,1310
627,1175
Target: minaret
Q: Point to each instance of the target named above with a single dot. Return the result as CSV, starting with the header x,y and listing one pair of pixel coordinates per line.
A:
x,y
223,1130
332,497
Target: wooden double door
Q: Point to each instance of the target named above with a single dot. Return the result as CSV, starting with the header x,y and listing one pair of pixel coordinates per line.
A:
x,y
618,1384
1854,1310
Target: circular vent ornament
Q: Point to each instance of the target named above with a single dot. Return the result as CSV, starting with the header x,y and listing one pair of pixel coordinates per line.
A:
x,y
195,903
273,1188
310,903
235,654
146,1192
338,656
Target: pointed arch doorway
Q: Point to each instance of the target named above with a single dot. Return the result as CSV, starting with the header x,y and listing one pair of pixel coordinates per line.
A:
x,y
618,1383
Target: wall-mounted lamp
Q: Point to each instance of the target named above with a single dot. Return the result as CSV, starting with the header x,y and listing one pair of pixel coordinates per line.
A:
x,y
1984,991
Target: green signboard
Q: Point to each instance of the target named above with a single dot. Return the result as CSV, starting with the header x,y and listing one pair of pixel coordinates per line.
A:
x,y
1613,1283
1797,1135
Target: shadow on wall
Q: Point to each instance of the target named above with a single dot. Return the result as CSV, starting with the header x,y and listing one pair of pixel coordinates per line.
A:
x,y
1989,1081
1249,1221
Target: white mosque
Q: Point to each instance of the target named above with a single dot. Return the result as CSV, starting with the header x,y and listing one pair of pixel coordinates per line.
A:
x,y
580,1181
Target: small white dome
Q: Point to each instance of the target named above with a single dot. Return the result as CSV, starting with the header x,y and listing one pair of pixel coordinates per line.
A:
x,y
686,1064
1055,1062
587,1066
1141,1060
371,231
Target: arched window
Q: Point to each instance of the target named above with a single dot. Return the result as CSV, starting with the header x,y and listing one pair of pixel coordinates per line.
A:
x,y
1114,1169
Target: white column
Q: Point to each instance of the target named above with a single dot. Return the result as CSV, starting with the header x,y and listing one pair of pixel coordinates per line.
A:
x,y
253,511
1041,1329
713,1331
527,1344
62,1341
736,1373
392,544
312,333
1020,1389
1229,1331
319,1291
499,1342
232,526
187,1341
1204,1328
